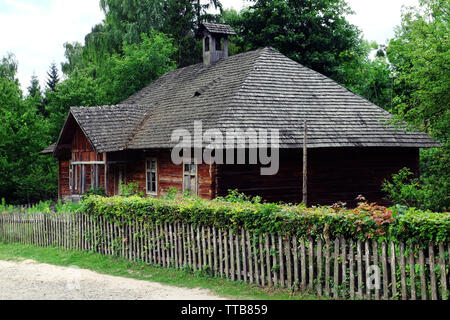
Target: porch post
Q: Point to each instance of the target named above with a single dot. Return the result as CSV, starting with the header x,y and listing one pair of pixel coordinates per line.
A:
x,y
106,173
305,165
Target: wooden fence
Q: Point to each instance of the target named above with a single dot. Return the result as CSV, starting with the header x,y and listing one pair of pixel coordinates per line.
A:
x,y
339,269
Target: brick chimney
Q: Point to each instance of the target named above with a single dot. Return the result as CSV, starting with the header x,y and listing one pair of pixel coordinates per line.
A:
x,y
215,41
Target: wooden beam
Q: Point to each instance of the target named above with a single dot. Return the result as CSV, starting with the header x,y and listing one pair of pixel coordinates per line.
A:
x,y
305,165
88,162
106,174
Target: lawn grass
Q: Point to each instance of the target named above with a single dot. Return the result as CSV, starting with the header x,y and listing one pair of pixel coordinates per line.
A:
x,y
117,266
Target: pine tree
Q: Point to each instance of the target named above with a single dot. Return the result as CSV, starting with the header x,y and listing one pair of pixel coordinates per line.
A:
x,y
34,89
35,95
53,77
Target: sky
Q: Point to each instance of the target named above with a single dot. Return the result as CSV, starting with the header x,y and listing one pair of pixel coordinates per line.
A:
x,y
36,30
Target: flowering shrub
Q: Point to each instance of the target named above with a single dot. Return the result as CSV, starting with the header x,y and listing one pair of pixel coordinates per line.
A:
x,y
367,221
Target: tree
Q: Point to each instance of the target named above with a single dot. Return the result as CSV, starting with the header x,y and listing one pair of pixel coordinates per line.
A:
x,y
74,55
34,90
369,77
35,95
80,89
314,33
23,133
53,77
420,56
126,20
138,66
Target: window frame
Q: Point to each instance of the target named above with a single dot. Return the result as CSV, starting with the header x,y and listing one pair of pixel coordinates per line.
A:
x,y
71,176
149,170
190,162
207,44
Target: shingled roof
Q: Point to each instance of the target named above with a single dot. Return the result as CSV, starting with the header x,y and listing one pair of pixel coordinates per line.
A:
x,y
218,28
259,89
49,149
109,128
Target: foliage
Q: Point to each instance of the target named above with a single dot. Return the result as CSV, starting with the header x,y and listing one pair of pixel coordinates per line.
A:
x,y
96,191
130,189
420,57
35,94
235,197
171,193
41,207
369,77
53,77
139,65
424,194
314,33
73,52
80,89
366,221
25,175
125,22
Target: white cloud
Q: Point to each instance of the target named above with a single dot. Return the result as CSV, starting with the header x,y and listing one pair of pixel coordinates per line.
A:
x,y
377,19
236,4
36,31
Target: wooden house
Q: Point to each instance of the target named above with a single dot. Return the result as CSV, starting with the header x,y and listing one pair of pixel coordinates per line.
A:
x,y
351,149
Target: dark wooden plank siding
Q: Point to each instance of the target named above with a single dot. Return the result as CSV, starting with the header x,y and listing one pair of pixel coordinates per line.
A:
x,y
334,174
344,173
284,186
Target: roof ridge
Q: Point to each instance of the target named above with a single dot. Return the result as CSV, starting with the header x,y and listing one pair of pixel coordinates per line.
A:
x,y
138,127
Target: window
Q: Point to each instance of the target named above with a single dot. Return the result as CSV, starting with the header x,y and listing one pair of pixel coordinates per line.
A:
x,y
190,177
94,176
75,179
71,186
206,44
152,176
219,44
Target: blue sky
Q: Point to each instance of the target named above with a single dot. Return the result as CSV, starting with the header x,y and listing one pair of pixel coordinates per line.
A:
x,y
35,30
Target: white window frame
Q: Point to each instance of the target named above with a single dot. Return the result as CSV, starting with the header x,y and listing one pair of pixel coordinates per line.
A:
x,y
190,175
149,170
71,186
76,177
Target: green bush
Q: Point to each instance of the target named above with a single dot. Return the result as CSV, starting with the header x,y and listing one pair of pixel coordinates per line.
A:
x,y
41,207
366,221
96,191
130,189
428,193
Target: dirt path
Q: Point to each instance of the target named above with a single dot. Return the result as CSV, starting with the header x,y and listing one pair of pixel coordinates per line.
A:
x,y
35,281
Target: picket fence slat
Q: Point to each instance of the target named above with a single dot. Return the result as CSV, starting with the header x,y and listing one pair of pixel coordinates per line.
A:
x,y
336,269
273,271
423,287
443,268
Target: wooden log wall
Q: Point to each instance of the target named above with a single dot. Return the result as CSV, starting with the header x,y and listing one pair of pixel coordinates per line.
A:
x,y
169,174
81,151
333,268
334,174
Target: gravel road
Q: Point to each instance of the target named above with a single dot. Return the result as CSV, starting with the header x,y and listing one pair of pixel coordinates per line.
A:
x,y
29,280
